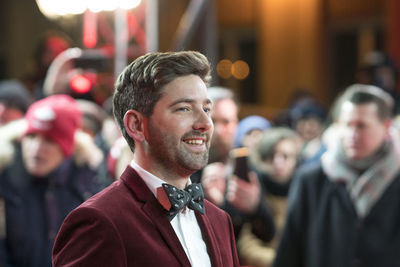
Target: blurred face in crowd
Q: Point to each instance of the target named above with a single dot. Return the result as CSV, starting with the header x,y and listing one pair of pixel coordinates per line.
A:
x,y
41,155
180,128
284,160
309,128
8,114
363,131
252,138
225,118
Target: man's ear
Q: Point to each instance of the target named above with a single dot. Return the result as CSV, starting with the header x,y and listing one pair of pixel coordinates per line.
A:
x,y
134,125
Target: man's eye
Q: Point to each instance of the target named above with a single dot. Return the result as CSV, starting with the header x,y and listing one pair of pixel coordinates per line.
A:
x,y
207,110
183,109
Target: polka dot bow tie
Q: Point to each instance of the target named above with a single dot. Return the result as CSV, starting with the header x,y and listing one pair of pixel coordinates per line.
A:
x,y
175,200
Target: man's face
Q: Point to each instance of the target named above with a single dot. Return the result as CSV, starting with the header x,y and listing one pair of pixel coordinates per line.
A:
x,y
225,118
180,128
41,155
363,131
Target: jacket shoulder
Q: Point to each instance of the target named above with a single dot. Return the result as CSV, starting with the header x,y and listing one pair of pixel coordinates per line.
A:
x,y
308,184
310,174
108,197
89,229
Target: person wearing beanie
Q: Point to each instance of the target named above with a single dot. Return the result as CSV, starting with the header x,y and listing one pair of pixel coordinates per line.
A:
x,y
43,182
308,119
56,117
14,101
249,130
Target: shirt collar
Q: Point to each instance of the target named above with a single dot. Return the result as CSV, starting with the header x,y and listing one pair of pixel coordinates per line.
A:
x,y
152,181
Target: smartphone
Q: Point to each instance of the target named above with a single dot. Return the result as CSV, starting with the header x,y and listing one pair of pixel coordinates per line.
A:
x,y
239,159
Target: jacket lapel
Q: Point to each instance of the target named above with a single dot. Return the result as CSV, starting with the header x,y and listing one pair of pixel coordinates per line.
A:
x,y
210,239
156,213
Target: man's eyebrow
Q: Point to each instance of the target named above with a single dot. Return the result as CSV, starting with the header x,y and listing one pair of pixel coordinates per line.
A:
x,y
187,100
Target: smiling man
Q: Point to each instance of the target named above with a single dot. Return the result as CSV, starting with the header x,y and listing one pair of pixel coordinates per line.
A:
x,y
153,215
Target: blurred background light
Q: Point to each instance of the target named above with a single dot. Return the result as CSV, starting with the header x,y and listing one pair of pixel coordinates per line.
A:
x,y
102,5
224,68
240,70
56,8
80,84
129,4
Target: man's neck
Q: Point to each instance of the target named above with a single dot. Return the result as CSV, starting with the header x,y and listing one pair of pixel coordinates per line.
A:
x,y
177,179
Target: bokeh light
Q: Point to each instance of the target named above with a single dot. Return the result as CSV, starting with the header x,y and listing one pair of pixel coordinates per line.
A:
x,y
56,8
240,70
224,68
80,84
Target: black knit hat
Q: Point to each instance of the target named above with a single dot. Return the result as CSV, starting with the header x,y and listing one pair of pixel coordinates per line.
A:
x,y
306,108
14,94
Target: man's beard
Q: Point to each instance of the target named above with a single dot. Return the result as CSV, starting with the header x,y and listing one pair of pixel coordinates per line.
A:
x,y
170,152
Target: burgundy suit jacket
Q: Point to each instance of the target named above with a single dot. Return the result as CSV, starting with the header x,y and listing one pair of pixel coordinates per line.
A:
x,y
124,225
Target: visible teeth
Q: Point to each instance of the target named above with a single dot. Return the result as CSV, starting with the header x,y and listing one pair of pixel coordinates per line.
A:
x,y
195,142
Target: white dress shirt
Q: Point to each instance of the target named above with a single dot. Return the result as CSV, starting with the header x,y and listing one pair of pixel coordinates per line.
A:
x,y
184,223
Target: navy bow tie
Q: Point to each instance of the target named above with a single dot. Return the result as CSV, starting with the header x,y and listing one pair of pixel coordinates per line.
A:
x,y
174,200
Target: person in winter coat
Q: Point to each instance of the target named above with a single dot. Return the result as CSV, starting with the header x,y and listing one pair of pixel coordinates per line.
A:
x,y
344,210
274,159
47,173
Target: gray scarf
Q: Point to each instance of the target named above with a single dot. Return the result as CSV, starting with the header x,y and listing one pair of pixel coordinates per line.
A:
x,y
366,179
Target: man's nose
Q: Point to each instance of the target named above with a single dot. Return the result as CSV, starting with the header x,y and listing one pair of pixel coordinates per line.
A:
x,y
203,122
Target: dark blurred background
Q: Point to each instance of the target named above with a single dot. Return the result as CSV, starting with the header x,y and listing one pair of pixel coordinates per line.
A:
x,y
268,51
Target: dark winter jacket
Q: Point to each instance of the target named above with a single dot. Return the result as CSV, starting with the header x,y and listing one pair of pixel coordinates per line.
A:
x,y
36,207
323,229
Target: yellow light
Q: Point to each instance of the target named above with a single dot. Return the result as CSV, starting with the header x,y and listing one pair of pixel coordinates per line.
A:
x,y
101,5
52,8
76,7
240,70
129,4
55,8
224,68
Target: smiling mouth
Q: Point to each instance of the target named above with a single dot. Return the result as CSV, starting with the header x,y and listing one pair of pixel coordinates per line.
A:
x,y
195,142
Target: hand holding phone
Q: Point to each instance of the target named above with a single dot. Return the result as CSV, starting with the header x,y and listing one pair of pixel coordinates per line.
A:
x,y
244,191
239,158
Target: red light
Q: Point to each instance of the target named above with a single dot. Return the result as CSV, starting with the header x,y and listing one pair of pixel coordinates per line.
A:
x,y
80,84
89,29
90,40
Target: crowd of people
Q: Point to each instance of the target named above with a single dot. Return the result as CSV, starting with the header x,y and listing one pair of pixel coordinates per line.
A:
x,y
310,187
